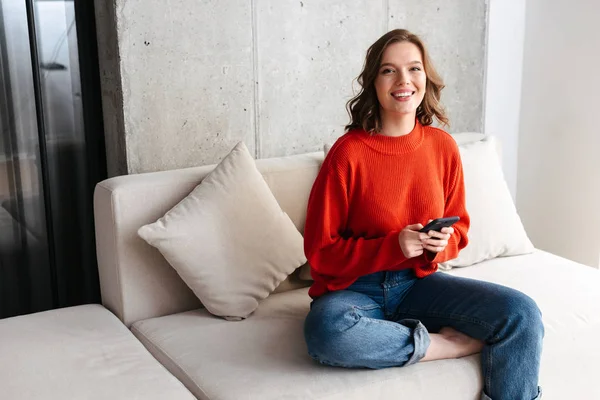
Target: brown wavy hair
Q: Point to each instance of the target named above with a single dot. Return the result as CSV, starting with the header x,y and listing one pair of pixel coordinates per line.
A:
x,y
364,108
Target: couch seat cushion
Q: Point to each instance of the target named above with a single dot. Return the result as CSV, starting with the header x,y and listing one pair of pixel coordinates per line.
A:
x,y
81,352
265,357
568,294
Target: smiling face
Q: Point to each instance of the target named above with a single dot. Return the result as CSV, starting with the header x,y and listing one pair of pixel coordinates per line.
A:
x,y
401,80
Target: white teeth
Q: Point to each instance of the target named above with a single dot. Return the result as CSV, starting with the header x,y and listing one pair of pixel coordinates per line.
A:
x,y
402,94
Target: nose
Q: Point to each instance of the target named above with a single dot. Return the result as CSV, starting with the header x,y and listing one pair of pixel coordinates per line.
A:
x,y
403,79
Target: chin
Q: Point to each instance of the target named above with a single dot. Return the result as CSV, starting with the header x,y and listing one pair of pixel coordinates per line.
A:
x,y
406,111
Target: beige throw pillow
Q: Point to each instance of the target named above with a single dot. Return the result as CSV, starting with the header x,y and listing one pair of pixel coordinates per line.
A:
x,y
228,239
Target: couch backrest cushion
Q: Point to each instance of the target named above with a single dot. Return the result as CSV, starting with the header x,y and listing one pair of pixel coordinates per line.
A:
x,y
136,281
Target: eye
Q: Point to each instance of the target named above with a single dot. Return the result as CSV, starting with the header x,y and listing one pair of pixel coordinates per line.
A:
x,y
415,69
387,71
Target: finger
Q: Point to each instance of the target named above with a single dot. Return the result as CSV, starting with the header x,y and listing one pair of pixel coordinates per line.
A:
x,y
414,227
435,242
443,236
423,236
449,230
434,249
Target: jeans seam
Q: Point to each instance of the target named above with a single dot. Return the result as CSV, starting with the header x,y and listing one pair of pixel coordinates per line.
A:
x,y
383,322
325,361
367,308
392,285
488,375
457,317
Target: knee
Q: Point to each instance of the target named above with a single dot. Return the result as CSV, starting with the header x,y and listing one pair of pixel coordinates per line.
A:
x,y
526,316
327,332
332,313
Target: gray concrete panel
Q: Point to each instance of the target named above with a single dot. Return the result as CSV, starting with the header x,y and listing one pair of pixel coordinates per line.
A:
x,y
454,33
112,96
187,80
309,53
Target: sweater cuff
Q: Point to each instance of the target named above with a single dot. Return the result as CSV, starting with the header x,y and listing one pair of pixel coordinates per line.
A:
x,y
430,256
447,254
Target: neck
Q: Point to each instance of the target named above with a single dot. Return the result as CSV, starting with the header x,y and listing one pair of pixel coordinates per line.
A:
x,y
397,125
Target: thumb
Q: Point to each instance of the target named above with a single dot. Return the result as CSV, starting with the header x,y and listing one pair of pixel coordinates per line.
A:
x,y
415,227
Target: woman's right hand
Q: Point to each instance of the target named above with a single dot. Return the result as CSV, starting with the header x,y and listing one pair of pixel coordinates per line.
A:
x,y
411,240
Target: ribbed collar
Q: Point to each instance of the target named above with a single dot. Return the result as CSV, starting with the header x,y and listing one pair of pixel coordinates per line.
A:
x,y
394,144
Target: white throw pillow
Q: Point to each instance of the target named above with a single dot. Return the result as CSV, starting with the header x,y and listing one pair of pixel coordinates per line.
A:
x,y
228,239
496,229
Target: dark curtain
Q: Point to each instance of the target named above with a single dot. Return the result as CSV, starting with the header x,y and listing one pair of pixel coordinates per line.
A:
x,y
51,155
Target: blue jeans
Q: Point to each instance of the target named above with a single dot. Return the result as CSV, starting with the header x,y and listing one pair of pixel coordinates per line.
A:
x,y
384,319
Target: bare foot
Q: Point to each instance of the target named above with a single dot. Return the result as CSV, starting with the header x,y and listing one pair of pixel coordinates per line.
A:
x,y
450,343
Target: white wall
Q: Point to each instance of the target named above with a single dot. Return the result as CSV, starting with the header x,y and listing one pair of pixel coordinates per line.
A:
x,y
505,37
559,165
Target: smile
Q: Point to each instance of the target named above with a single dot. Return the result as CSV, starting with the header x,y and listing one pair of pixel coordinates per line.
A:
x,y
402,95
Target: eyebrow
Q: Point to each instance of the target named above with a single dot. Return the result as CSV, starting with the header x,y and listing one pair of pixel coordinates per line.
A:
x,y
392,65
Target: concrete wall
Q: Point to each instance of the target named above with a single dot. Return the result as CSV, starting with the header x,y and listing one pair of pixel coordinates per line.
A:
x,y
112,91
559,168
184,80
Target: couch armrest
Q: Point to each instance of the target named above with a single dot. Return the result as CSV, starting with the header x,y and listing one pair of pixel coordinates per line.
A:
x,y
136,281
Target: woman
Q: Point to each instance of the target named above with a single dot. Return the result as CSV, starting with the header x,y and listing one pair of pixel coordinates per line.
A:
x,y
377,299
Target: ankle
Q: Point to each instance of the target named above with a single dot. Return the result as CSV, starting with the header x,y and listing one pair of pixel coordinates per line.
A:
x,y
450,343
440,348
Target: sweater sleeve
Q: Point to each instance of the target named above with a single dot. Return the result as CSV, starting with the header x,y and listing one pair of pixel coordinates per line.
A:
x,y
328,252
454,205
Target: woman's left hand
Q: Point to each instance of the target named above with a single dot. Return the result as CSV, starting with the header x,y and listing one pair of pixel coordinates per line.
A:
x,y
438,241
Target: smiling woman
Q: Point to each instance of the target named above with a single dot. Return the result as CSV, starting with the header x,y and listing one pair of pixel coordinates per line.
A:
x,y
378,300
398,55
400,86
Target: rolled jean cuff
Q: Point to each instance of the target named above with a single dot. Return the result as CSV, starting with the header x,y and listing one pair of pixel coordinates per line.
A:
x,y
538,397
421,339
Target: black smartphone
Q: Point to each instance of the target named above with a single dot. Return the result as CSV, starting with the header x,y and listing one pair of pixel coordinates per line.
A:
x,y
439,223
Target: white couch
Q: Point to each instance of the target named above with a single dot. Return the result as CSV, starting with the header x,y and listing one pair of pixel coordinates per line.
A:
x,y
264,356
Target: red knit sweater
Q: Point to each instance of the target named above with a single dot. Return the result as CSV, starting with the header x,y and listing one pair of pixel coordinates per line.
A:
x,y
369,188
